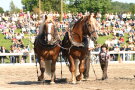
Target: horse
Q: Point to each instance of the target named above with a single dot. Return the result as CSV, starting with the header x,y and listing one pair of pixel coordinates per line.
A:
x,y
46,48
76,44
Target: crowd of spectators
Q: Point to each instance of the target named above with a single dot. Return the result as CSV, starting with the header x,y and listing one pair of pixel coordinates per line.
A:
x,y
120,26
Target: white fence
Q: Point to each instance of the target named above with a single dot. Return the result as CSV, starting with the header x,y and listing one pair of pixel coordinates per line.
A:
x,y
124,53
18,54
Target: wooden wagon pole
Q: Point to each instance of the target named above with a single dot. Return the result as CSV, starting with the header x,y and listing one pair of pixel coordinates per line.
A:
x,y
61,8
39,9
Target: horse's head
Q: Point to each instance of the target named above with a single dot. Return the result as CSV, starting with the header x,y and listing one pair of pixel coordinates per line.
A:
x,y
91,27
48,30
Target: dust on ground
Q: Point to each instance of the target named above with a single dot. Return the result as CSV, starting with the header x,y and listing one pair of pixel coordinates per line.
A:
x,y
24,77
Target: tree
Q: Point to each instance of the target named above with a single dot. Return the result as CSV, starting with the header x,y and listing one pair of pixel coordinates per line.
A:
x,y
90,5
132,8
1,10
102,6
13,8
119,7
46,5
74,6
30,4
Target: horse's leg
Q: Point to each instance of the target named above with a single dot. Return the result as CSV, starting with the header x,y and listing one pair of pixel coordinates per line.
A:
x,y
72,69
53,64
42,69
81,70
104,66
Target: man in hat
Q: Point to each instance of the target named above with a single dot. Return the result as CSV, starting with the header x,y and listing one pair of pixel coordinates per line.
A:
x,y
104,58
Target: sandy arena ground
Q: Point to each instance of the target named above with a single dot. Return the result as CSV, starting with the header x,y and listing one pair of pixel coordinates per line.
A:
x,y
24,77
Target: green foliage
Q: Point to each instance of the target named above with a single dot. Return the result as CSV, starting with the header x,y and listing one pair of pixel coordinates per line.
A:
x,y
51,5
118,7
132,8
1,10
100,5
46,5
13,8
30,4
74,6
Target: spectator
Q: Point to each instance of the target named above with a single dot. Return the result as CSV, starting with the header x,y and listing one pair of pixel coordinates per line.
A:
x,y
3,50
116,49
121,40
12,58
25,54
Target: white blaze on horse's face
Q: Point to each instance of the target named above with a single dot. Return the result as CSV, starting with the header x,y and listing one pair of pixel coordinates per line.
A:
x,y
49,31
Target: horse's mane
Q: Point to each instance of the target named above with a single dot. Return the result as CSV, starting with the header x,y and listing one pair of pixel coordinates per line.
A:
x,y
41,28
82,18
78,22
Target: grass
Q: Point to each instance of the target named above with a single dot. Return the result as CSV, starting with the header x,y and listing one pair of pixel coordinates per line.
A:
x,y
5,42
18,31
101,40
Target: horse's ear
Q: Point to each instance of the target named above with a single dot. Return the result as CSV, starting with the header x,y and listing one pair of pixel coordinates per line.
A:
x,y
82,17
89,16
95,15
45,17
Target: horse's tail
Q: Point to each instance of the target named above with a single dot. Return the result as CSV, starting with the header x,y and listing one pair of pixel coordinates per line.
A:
x,y
48,67
76,65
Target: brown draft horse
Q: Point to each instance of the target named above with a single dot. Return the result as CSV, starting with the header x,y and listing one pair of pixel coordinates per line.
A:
x,y
46,48
76,42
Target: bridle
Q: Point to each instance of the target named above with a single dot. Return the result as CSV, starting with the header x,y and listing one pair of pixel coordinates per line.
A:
x,y
90,33
54,38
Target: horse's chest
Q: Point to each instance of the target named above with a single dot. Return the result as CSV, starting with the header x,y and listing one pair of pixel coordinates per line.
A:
x,y
49,54
80,53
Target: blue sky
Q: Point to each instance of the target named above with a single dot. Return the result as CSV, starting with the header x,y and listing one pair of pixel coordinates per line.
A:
x,y
5,3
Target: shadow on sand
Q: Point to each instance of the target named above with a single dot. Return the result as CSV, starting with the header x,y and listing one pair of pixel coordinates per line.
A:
x,y
124,78
57,81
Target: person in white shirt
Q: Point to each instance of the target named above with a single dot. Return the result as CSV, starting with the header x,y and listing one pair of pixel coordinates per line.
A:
x,y
124,16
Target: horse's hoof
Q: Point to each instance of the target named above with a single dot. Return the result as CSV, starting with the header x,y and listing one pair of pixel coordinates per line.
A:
x,y
52,82
104,78
85,78
73,82
78,78
40,79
